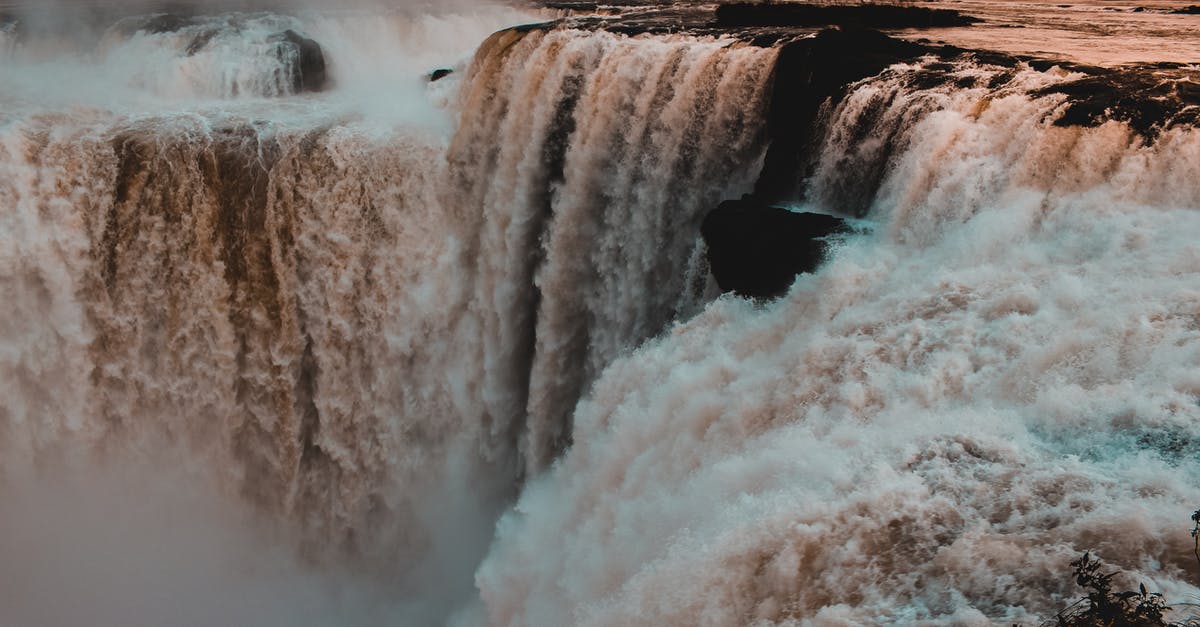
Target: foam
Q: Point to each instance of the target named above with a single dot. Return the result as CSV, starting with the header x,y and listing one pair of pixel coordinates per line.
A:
x,y
928,429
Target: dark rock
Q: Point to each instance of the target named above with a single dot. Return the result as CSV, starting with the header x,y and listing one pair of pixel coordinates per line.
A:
x,y
439,74
167,23
1147,98
1188,10
572,6
308,71
756,250
809,72
861,15
199,42
155,24
533,26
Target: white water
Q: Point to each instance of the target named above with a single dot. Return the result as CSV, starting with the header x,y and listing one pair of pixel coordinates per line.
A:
x,y
319,311
250,293
284,359
930,428
606,250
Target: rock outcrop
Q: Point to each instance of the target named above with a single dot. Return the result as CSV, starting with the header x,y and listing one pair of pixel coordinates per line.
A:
x,y
1149,98
756,250
308,66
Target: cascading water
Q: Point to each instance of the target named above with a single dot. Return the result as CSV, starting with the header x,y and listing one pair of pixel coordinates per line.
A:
x,y
362,326
279,356
253,300
1001,377
587,162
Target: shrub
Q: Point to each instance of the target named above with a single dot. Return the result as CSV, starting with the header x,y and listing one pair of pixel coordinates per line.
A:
x,y
1104,607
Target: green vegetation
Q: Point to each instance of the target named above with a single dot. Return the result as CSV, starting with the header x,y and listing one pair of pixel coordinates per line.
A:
x,y
1104,607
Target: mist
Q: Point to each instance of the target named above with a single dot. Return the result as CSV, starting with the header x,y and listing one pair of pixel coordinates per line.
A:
x,y
377,61
129,546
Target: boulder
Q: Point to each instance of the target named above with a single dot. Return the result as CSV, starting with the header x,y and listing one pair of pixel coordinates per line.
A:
x,y
439,74
308,73
756,250
200,41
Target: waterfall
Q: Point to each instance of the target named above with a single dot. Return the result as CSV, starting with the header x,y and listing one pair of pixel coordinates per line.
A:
x,y
585,237
997,378
371,334
298,331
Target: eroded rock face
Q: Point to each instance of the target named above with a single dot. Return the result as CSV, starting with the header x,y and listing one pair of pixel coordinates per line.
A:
x,y
756,250
155,24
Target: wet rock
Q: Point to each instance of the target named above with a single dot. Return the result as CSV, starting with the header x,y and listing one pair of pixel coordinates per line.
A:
x,y
155,24
861,15
809,72
308,69
572,6
756,250
166,23
199,42
1148,98
439,74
